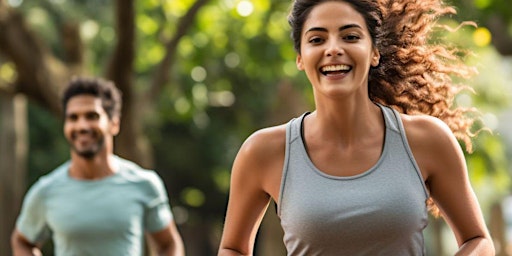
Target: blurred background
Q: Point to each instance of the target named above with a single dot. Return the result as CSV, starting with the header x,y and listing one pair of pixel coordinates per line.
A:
x,y
199,76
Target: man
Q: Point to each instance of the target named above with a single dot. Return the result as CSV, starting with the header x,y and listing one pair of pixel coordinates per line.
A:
x,y
96,203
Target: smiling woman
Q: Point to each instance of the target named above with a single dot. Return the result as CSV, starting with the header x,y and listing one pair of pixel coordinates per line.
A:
x,y
336,51
357,175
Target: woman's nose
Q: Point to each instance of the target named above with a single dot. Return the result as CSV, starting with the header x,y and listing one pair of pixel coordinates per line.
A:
x,y
334,49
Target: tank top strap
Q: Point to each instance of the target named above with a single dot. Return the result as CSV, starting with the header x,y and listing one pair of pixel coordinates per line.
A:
x,y
391,118
395,124
294,128
293,132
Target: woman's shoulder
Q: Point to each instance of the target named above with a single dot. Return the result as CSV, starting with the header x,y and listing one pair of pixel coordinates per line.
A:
x,y
426,128
266,141
432,142
260,160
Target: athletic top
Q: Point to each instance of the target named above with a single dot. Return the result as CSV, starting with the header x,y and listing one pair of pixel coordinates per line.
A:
x,y
381,211
99,217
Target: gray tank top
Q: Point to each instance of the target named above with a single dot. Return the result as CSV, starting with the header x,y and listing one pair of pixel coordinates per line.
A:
x,y
381,211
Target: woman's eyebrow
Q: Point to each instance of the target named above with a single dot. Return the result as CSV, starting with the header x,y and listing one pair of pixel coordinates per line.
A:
x,y
321,29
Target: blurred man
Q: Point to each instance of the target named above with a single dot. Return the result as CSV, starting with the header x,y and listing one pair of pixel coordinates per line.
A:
x,y
96,203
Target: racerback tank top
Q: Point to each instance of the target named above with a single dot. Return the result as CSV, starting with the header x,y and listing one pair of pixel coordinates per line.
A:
x,y
381,211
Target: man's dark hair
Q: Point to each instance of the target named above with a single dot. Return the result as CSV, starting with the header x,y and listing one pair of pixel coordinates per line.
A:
x,y
105,90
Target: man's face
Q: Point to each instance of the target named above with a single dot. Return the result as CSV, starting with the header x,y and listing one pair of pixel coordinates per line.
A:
x,y
87,126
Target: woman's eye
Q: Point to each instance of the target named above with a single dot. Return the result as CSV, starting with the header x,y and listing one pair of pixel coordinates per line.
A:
x,y
351,37
315,40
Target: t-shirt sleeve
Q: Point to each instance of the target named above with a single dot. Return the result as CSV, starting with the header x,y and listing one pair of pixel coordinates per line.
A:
x,y
158,213
31,222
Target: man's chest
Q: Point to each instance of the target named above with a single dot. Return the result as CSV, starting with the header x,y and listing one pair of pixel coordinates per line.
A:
x,y
95,212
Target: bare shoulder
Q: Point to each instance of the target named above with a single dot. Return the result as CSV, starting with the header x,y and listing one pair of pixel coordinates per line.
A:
x,y
266,142
426,128
260,159
432,143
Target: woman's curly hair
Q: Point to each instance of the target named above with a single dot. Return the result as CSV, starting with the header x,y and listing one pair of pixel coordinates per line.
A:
x,y
415,75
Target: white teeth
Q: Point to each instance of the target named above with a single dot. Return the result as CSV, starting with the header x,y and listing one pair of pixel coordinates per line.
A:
x,y
335,68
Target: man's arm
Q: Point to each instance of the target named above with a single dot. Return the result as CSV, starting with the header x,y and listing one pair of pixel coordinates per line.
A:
x,y
168,241
22,247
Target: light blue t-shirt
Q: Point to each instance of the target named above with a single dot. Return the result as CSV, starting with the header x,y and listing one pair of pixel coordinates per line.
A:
x,y
100,217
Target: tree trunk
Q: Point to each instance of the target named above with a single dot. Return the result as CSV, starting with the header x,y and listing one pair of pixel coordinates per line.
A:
x,y
500,39
497,229
270,237
13,158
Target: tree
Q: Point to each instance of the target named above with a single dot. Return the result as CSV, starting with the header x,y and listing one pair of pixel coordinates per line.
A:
x,y
13,154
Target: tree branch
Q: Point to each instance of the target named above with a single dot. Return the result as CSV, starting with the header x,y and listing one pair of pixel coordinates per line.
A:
x,y
120,68
38,72
161,76
500,38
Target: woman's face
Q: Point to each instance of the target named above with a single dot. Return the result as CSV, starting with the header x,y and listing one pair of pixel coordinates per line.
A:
x,y
336,50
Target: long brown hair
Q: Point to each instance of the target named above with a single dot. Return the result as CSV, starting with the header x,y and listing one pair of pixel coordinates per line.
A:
x,y
416,75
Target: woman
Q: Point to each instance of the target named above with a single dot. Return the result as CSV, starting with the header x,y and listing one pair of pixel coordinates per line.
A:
x,y
354,177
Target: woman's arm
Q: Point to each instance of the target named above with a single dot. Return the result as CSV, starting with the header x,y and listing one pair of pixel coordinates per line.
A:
x,y
443,165
255,177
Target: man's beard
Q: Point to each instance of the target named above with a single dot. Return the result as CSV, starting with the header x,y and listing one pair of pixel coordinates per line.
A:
x,y
91,151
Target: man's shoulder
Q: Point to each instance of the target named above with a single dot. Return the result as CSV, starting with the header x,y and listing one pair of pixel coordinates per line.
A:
x,y
51,179
59,173
146,181
135,172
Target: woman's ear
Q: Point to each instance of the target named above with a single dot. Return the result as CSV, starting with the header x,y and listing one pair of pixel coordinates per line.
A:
x,y
375,58
299,63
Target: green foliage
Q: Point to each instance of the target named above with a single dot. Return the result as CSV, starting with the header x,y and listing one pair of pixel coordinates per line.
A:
x,y
48,147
